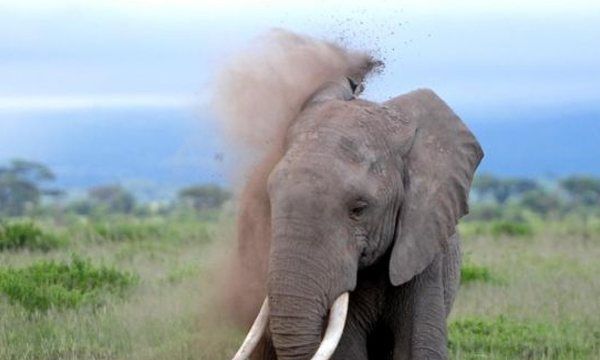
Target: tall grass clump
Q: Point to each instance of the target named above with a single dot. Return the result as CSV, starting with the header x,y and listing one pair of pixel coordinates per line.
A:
x,y
510,228
132,230
497,229
27,235
127,231
470,272
50,284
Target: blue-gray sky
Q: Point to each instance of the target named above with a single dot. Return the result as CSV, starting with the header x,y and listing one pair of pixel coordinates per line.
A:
x,y
476,53
71,71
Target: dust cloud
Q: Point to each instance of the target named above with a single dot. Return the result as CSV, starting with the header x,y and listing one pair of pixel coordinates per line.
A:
x,y
258,94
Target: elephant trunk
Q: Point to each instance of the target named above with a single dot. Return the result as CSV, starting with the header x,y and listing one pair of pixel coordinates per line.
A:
x,y
298,306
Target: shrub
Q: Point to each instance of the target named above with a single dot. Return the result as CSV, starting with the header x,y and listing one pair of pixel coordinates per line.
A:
x,y
51,284
203,197
26,235
113,198
541,202
472,273
485,212
510,228
505,338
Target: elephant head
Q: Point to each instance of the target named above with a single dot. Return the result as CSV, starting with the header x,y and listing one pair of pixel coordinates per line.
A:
x,y
359,182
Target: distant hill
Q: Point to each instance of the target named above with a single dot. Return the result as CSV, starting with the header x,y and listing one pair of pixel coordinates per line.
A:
x,y
151,149
544,142
174,147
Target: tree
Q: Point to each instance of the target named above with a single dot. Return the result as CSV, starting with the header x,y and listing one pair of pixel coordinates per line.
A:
x,y
202,197
114,198
582,190
21,186
502,189
541,202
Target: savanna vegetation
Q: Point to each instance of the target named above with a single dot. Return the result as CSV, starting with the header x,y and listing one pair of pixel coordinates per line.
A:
x,y
105,276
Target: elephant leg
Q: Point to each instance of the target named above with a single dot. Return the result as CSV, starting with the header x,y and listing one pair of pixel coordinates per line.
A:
x,y
420,329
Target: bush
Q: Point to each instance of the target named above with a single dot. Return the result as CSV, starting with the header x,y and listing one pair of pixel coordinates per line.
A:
x,y
541,202
203,197
113,198
50,284
485,212
471,273
26,235
495,229
504,338
510,228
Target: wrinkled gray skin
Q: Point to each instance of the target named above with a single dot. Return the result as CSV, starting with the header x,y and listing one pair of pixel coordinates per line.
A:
x,y
366,199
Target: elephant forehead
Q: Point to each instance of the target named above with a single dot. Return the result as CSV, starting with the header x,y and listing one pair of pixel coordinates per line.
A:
x,y
323,175
326,143
357,124
337,158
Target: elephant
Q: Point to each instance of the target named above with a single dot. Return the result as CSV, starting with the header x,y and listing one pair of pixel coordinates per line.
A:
x,y
362,211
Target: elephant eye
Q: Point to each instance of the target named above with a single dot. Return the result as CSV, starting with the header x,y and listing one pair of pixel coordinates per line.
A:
x,y
358,209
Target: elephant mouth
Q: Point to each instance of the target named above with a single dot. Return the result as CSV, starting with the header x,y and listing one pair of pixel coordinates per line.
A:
x,y
333,333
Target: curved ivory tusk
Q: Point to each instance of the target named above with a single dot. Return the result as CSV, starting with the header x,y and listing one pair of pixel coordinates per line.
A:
x,y
335,327
255,333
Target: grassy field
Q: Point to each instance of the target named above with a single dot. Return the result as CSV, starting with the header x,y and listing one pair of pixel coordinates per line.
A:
x,y
538,300
144,289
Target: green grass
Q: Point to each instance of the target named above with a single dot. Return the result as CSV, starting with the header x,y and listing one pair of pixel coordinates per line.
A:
x,y
545,304
127,231
506,338
472,273
170,313
27,235
510,228
499,228
51,284
523,296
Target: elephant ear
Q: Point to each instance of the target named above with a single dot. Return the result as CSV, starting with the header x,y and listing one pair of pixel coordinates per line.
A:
x,y
439,167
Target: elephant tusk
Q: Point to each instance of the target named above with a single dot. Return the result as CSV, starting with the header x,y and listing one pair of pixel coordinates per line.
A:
x,y
335,327
255,333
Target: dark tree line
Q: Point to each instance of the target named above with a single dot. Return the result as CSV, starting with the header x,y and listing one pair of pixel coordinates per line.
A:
x,y
25,184
564,195
489,187
106,198
116,199
203,197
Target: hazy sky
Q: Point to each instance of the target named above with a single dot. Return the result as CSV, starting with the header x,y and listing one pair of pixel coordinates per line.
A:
x,y
163,53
